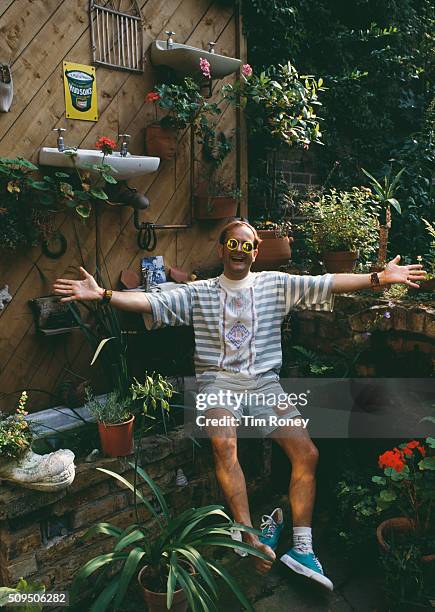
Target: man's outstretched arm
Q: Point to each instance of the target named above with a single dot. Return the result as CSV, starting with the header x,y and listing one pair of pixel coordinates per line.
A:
x,y
393,273
87,290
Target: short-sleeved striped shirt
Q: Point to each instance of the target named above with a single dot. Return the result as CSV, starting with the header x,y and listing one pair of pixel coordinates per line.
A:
x,y
237,324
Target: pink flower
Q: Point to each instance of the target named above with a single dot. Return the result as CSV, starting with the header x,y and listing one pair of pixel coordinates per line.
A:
x,y
205,67
246,70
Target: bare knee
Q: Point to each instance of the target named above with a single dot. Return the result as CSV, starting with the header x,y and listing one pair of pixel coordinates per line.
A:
x,y
225,452
307,457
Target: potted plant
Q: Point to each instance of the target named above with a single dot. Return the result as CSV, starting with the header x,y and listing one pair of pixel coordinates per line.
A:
x,y
184,105
384,196
20,465
407,486
341,226
172,569
114,416
274,250
216,199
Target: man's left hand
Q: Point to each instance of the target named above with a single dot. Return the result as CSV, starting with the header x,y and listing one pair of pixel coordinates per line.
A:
x,y
407,275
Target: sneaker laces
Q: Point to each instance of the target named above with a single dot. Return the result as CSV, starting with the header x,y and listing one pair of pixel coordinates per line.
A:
x,y
303,545
268,525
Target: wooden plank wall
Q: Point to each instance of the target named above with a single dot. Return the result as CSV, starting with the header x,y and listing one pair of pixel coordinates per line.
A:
x,y
36,36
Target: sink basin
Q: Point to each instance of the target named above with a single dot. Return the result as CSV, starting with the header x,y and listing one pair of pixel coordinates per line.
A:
x,y
127,167
185,60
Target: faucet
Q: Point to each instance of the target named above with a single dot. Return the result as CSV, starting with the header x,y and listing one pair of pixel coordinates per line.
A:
x,y
170,41
124,145
211,47
60,141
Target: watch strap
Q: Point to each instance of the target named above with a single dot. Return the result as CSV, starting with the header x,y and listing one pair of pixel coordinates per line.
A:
x,y
374,280
107,296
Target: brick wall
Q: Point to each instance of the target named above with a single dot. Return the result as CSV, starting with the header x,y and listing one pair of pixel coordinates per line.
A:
x,y
404,332
41,534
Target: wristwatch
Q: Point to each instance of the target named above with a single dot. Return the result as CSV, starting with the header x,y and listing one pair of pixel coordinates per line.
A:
x,y
107,296
374,280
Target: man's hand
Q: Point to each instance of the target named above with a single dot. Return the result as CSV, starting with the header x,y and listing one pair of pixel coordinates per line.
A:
x,y
86,289
407,275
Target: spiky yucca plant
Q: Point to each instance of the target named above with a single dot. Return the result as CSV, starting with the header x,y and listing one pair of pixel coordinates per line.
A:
x,y
179,539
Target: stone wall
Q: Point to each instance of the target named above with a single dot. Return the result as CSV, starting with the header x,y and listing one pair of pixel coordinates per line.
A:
x,y
386,335
41,534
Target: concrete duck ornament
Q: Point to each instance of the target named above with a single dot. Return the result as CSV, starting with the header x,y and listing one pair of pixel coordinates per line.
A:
x,y
5,297
6,88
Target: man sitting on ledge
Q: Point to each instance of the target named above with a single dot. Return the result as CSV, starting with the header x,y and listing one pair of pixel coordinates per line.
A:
x,y
237,321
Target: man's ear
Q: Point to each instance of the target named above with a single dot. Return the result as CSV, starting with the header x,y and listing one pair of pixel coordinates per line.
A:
x,y
254,254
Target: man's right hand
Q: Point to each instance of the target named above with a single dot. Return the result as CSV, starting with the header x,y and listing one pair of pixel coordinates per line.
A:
x,y
85,289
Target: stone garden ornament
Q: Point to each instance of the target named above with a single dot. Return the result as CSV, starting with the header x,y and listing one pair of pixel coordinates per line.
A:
x,y
51,472
6,88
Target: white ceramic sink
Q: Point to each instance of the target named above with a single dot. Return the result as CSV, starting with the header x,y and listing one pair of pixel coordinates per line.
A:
x,y
127,167
185,60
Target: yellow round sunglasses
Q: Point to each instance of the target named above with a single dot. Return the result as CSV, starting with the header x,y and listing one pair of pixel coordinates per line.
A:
x,y
232,244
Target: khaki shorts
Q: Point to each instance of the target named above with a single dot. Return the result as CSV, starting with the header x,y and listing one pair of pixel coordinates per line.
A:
x,y
257,403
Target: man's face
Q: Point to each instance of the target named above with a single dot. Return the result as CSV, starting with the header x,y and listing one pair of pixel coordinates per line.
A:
x,y
237,263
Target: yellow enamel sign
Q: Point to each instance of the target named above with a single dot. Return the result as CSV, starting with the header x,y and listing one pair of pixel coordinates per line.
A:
x,y
80,91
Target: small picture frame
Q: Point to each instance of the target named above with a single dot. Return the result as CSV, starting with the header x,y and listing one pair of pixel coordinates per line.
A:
x,y
52,316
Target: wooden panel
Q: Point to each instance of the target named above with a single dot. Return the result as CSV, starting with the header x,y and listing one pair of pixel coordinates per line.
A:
x,y
37,36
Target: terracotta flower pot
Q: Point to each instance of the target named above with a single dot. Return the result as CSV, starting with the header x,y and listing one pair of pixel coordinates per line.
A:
x,y
116,440
156,602
161,142
217,207
340,261
399,524
273,252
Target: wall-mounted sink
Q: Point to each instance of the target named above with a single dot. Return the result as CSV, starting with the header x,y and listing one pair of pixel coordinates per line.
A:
x,y
127,167
185,60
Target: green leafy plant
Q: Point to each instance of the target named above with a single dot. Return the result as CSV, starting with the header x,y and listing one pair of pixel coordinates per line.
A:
x,y
312,363
341,221
154,392
113,410
15,434
183,104
173,540
279,105
408,481
8,594
384,196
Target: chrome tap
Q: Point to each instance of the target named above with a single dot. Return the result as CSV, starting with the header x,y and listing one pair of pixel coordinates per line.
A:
x,y
60,141
170,41
124,144
211,47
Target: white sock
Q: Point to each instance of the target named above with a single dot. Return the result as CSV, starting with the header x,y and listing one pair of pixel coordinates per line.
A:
x,y
302,540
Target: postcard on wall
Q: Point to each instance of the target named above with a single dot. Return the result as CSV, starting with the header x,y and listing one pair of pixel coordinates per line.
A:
x,y
80,91
153,270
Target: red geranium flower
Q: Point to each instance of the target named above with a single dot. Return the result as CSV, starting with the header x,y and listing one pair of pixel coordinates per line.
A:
x,y
392,459
413,444
106,145
407,451
422,450
152,97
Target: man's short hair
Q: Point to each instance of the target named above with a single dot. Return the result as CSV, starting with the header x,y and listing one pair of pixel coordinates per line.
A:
x,y
235,222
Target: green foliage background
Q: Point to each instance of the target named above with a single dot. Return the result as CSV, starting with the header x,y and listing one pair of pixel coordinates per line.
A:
x,y
376,59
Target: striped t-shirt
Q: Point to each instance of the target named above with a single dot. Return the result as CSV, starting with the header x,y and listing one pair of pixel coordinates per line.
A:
x,y
237,324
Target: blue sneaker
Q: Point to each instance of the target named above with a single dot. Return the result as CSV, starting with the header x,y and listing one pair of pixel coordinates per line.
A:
x,y
308,565
271,527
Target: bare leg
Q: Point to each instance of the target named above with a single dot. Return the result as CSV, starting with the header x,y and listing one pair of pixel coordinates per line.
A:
x,y
232,482
303,456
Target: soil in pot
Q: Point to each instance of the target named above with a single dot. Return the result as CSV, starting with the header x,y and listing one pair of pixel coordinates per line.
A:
x,y
273,252
161,142
116,440
156,601
339,261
